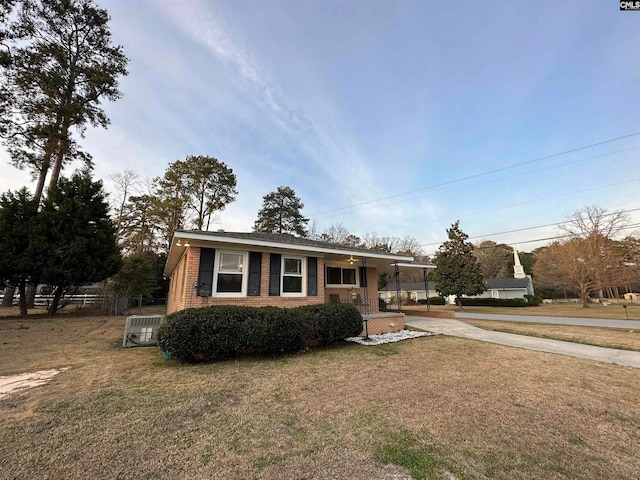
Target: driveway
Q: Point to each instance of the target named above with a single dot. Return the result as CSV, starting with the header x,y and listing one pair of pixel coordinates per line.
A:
x,y
585,322
455,328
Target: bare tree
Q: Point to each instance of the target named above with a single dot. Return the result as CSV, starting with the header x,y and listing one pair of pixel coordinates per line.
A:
x,y
562,266
495,260
126,184
599,229
589,260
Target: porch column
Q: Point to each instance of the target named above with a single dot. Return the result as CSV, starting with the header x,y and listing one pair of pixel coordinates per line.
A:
x,y
397,274
426,287
365,287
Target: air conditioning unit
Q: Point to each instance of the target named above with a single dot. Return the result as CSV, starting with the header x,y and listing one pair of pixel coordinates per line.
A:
x,y
142,330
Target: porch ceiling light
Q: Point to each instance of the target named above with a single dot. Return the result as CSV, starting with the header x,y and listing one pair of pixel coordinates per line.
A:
x,y
351,260
179,243
186,244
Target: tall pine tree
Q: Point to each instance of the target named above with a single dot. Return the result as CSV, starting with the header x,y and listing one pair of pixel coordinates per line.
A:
x,y
59,63
280,213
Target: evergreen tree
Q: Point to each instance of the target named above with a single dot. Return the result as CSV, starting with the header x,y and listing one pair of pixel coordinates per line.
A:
x,y
141,275
21,245
280,213
80,236
458,272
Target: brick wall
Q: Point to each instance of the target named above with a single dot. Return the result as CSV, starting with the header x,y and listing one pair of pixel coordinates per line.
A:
x,y
185,297
385,323
182,294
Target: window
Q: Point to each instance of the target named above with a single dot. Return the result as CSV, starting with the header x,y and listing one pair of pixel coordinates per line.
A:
x,y
341,276
229,277
292,276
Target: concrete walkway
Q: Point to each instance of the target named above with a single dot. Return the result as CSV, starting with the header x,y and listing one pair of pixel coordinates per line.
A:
x,y
584,322
460,329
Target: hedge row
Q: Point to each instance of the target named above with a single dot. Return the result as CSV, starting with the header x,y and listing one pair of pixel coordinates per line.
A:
x,y
530,300
432,301
495,302
223,331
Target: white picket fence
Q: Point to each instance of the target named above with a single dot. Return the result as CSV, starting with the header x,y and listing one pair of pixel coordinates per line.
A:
x,y
79,300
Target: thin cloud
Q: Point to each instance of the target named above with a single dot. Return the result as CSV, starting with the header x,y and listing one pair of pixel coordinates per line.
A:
x,y
337,159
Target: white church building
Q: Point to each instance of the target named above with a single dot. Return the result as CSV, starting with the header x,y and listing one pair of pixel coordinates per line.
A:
x,y
513,287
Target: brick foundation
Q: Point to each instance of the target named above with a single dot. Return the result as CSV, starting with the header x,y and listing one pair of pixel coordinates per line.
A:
x,y
385,323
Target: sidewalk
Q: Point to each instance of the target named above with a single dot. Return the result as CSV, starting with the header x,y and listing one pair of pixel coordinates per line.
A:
x,y
460,329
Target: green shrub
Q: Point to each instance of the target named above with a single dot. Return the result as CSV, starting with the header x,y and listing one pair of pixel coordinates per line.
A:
x,y
277,330
331,322
207,333
432,301
223,331
533,300
494,302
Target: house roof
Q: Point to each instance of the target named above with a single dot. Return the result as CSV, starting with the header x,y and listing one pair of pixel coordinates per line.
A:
x,y
506,283
271,242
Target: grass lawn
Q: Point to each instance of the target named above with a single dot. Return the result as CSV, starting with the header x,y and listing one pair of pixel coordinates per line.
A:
x,y
612,311
433,407
626,339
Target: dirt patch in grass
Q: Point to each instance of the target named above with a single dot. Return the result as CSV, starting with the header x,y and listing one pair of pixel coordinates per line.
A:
x,y
432,407
626,339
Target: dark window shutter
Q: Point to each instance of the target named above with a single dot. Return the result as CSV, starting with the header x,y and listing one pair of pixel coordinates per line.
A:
x,y
255,270
205,272
312,276
363,277
274,274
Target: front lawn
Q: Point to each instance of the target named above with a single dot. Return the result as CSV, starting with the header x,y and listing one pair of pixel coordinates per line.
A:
x,y
432,407
612,311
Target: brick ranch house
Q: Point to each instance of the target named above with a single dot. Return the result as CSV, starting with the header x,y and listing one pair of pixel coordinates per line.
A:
x,y
263,269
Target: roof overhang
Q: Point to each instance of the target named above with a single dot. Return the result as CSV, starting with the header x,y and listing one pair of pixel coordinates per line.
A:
x,y
422,265
211,240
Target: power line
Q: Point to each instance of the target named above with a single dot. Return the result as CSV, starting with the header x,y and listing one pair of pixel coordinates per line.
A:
x,y
556,237
568,235
488,172
525,203
465,187
529,228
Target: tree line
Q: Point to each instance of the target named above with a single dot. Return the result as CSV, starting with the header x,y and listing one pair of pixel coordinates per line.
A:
x,y
592,258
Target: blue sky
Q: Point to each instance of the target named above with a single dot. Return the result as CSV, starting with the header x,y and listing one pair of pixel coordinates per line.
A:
x,y
349,102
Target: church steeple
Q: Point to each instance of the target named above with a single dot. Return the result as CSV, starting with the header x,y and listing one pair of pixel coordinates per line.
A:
x,y
518,270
